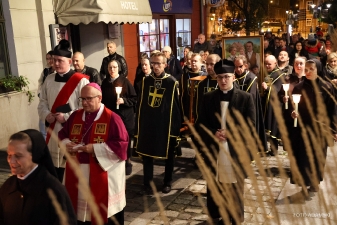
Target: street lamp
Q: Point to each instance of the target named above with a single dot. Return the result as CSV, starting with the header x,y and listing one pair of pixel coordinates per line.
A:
x,y
289,23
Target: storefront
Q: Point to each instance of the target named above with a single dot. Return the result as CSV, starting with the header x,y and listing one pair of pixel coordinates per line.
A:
x,y
171,26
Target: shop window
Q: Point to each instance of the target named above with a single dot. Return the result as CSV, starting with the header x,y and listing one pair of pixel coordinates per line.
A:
x,y
183,31
4,62
154,36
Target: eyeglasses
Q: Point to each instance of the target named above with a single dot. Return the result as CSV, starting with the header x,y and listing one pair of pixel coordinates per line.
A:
x,y
226,77
237,67
156,63
87,99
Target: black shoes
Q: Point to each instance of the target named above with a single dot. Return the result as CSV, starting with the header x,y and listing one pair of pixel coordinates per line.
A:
x,y
166,189
147,190
128,168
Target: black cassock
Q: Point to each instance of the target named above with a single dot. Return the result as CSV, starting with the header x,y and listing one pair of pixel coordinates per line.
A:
x,y
274,81
248,82
318,145
158,117
109,97
27,201
204,86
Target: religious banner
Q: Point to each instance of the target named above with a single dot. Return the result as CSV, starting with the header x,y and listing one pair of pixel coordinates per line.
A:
x,y
215,3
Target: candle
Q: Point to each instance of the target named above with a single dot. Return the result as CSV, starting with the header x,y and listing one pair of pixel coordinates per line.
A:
x,y
118,91
296,99
286,89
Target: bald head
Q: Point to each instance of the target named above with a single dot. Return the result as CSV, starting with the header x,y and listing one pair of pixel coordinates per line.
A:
x,y
78,61
270,63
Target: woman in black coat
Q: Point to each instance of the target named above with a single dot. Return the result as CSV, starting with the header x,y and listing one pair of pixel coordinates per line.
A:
x,y
23,197
126,102
299,50
320,123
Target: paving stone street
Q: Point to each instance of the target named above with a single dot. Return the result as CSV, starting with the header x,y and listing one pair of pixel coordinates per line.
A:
x,y
185,204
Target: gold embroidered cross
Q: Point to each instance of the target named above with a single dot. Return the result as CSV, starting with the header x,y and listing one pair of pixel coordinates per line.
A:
x,y
155,95
99,140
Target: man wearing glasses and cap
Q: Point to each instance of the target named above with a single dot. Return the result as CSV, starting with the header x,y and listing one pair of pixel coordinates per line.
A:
x,y
225,184
59,98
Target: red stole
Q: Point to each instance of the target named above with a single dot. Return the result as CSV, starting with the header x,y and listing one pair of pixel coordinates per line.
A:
x,y
98,178
63,97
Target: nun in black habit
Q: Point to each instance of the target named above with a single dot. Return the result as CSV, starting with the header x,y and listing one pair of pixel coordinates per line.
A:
x,y
23,196
318,98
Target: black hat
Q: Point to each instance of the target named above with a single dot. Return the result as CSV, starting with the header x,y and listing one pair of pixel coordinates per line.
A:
x,y
40,151
62,49
224,66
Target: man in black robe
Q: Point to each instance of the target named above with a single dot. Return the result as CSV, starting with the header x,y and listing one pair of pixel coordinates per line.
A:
x,y
208,84
185,85
248,82
233,181
23,197
273,83
158,121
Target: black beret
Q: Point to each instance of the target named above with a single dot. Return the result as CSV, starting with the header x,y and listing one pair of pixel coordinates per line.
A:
x,y
62,49
224,66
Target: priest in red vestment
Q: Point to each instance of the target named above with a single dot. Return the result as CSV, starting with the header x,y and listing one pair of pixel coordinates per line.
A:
x,y
97,137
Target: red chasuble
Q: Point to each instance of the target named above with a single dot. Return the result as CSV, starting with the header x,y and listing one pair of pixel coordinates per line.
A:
x,y
98,181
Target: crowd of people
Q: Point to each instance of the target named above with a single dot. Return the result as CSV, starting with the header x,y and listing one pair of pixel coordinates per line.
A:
x,y
96,115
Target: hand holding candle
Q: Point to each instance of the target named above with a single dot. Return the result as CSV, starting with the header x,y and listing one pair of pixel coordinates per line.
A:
x,y
296,99
118,92
286,89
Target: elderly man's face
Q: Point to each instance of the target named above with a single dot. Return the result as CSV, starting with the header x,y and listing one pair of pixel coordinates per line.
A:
x,y
61,64
19,159
240,67
201,39
270,64
167,54
91,99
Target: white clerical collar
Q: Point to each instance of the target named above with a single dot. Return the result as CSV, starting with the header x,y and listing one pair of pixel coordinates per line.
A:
x,y
225,92
99,114
25,176
63,73
114,78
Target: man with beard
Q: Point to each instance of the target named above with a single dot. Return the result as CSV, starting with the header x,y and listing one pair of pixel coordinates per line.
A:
x,y
273,83
185,82
111,47
283,63
248,82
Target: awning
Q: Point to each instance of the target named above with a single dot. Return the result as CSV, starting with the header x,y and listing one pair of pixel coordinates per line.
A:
x,y
87,11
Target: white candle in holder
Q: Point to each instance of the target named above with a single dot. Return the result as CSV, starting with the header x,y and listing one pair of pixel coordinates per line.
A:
x,y
296,99
118,91
286,89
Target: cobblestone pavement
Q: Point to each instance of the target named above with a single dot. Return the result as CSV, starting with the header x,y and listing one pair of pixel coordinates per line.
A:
x,y
185,204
